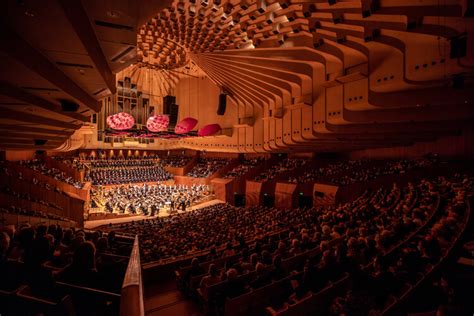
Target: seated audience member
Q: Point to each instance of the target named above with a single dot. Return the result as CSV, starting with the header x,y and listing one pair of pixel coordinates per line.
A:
x,y
277,272
210,279
263,276
229,251
4,246
82,270
195,270
234,287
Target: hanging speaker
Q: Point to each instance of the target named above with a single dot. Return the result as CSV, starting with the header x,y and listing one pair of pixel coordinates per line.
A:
x,y
173,114
222,104
168,101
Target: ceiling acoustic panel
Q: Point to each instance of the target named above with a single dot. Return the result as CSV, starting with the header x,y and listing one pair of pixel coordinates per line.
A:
x,y
327,76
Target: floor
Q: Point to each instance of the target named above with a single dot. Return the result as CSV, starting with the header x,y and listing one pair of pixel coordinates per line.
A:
x,y
101,222
164,299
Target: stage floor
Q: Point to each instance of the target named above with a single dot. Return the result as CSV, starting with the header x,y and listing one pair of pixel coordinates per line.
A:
x,y
101,222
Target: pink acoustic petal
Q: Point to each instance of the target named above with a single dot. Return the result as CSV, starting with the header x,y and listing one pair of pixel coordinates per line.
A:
x,y
158,123
185,125
209,130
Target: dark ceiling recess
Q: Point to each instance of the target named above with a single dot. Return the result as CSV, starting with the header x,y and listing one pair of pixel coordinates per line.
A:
x,y
62,63
123,53
69,106
40,89
113,25
40,142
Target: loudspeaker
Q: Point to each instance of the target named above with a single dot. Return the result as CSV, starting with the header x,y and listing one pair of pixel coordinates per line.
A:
x,y
167,102
222,104
40,142
69,106
173,114
458,46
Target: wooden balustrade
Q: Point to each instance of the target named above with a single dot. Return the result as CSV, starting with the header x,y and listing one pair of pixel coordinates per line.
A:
x,y
132,288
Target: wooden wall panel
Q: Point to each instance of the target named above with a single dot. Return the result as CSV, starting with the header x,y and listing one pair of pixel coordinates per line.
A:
x,y
199,98
15,155
253,191
285,195
324,194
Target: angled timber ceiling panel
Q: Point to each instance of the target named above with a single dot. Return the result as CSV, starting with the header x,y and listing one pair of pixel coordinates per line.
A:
x,y
57,59
325,75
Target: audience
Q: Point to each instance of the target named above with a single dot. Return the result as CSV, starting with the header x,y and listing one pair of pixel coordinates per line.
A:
x,y
206,167
47,253
382,240
286,165
38,165
175,161
353,171
122,171
243,167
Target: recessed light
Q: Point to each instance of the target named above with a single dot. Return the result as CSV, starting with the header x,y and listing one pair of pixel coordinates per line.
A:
x,y
29,14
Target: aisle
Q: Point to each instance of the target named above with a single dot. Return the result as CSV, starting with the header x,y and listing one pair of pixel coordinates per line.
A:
x,y
101,222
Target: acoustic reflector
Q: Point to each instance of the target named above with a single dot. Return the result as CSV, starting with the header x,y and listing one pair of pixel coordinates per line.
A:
x,y
158,123
120,121
185,126
209,130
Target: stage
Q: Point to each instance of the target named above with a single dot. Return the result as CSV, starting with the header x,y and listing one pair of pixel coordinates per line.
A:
x,y
93,224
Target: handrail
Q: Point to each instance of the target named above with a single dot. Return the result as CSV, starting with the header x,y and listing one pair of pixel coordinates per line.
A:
x,y
132,288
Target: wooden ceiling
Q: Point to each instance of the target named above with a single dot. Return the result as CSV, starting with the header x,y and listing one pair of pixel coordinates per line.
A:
x,y
61,51
324,75
328,75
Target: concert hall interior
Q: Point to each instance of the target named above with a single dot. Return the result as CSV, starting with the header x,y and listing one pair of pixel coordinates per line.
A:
x,y
237,157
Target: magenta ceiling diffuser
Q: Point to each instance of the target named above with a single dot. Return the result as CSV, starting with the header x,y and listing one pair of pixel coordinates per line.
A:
x,y
158,123
209,130
120,121
185,125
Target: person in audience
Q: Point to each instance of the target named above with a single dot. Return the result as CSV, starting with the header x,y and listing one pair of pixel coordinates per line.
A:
x,y
4,246
82,270
263,276
195,270
210,279
229,250
234,287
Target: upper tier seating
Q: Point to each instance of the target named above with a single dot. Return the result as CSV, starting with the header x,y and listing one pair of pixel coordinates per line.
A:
x,y
285,165
243,167
175,161
38,165
206,167
353,171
